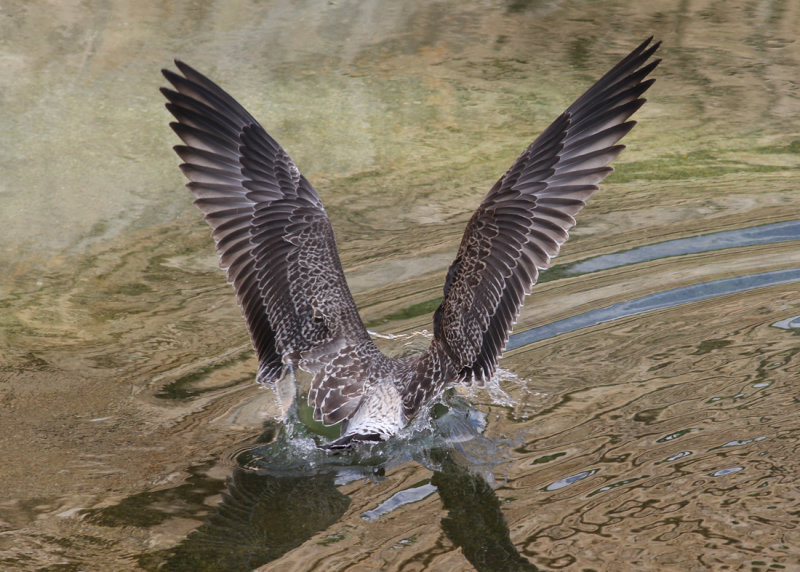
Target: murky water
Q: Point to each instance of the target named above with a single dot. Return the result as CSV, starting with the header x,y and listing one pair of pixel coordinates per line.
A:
x,y
658,431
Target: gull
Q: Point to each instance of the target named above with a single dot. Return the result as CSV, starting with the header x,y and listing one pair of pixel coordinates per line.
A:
x,y
277,245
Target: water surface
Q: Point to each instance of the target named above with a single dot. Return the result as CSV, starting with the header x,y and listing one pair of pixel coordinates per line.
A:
x,y
133,434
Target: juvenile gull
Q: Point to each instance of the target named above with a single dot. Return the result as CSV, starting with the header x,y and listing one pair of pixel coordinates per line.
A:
x,y
277,245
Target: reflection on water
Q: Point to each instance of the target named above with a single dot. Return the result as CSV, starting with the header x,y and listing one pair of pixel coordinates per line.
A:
x,y
667,440
261,517
286,491
474,521
266,513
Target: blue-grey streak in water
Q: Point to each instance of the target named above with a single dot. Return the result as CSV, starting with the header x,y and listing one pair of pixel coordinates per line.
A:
x,y
657,301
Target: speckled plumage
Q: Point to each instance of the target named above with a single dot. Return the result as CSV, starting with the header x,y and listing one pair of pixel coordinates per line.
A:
x,y
277,245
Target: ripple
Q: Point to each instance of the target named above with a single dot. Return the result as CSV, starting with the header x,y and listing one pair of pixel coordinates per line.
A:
x,y
751,236
572,479
673,436
789,323
657,301
739,443
728,471
399,499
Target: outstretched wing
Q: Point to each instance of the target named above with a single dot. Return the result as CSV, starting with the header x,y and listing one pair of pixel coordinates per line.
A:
x,y
523,220
271,231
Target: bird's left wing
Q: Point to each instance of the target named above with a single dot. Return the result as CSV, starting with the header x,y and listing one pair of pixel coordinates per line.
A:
x,y
522,222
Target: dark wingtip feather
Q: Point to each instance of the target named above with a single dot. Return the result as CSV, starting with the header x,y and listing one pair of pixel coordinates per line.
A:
x,y
170,76
189,72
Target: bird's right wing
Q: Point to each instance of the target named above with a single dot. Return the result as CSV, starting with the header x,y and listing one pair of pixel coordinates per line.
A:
x,y
274,239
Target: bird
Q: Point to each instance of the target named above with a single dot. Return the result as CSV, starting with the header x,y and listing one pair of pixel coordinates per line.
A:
x,y
277,245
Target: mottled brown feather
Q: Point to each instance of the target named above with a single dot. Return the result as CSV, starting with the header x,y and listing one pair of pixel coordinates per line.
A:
x,y
277,245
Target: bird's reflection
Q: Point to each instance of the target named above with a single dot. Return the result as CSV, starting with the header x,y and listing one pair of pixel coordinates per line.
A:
x,y
474,521
261,517
277,499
